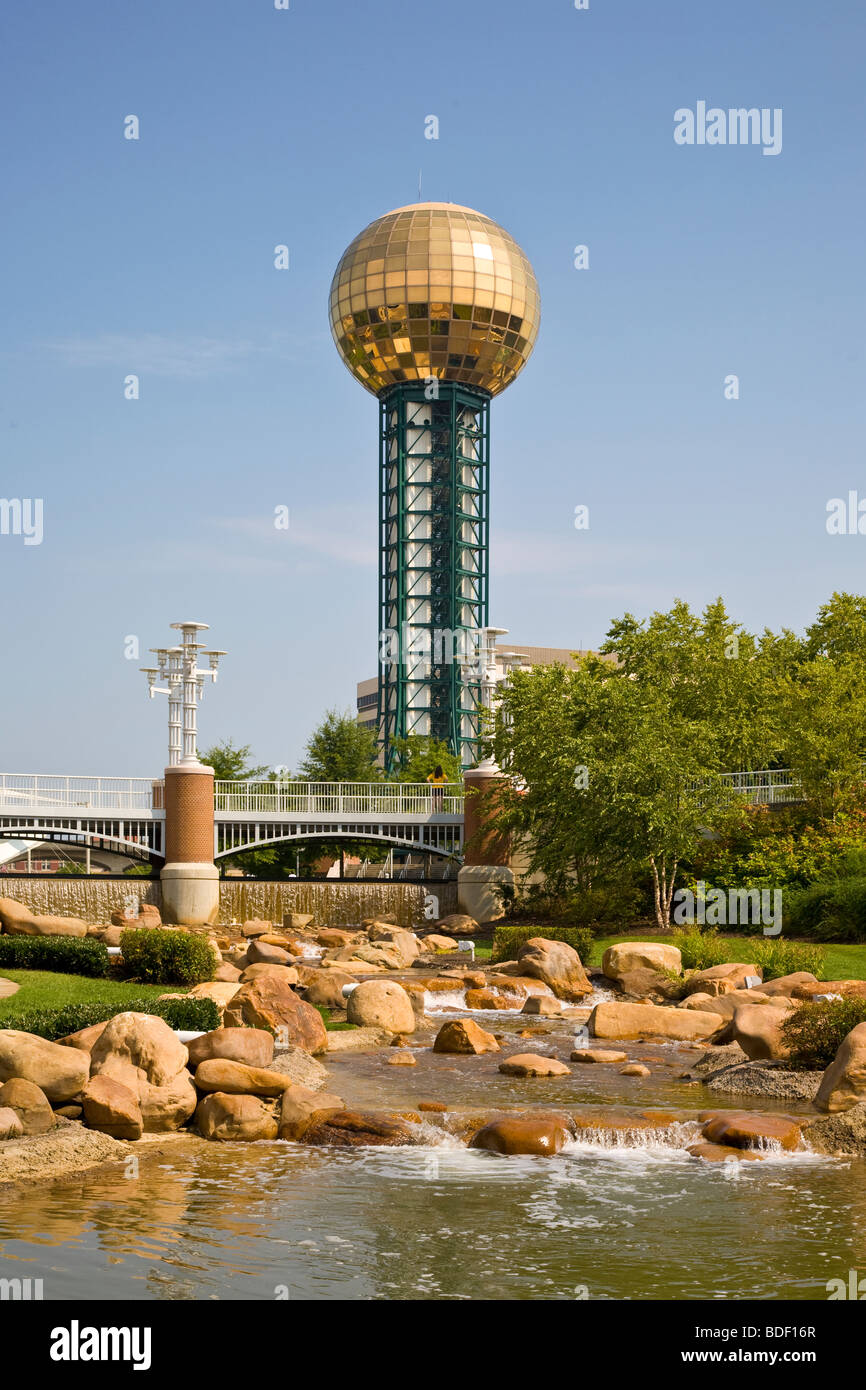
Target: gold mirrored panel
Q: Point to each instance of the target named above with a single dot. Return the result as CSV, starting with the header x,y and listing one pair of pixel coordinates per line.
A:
x,y
434,290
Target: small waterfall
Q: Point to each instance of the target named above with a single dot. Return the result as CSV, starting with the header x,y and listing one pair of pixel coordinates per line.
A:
x,y
333,902
677,1135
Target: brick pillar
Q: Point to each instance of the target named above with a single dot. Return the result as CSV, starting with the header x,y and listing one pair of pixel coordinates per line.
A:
x,y
487,849
190,879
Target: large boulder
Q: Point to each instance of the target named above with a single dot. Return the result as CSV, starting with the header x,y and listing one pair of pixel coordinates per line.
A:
x,y
612,1019
235,1078
523,1134
226,973
358,1129
254,927
259,953
30,1104
627,956
10,1125
299,1108
231,1117
746,1130
457,924
84,1038
252,1046
260,971
15,918
849,989
272,1004
135,1047
726,1005
721,979
533,1064
541,1005
463,1036
112,1108
169,1107
48,926
756,1027
435,942
843,1084
557,965
786,984
61,1072
381,1004
325,987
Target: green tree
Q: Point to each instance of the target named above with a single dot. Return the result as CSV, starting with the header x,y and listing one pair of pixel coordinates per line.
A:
x,y
232,764
341,750
417,757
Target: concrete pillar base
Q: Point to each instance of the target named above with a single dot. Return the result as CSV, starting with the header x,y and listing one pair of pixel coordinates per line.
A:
x,y
475,890
190,894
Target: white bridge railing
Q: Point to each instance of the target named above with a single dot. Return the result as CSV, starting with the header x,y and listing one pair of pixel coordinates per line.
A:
x,y
24,791
764,787
368,799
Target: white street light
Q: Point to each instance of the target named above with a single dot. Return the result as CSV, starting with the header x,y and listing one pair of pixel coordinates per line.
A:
x,y
178,667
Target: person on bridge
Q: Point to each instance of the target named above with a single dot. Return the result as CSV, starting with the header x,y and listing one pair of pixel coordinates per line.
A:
x,y
438,780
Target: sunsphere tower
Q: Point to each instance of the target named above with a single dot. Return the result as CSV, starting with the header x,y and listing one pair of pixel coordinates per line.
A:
x,y
435,309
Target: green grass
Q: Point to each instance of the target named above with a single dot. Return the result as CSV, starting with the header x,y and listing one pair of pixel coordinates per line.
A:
x,y
843,962
43,989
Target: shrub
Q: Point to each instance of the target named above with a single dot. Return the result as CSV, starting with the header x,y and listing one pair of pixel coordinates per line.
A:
x,y
834,909
155,955
778,957
701,949
508,938
814,1032
68,955
193,1015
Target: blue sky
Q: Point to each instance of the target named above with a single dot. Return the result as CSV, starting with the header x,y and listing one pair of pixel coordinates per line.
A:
x,y
261,127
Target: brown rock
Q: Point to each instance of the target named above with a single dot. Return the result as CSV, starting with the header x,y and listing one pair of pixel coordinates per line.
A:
x,y
84,1038
557,965
745,1129
532,1064
849,989
843,1084
141,1042
167,1108
434,942
30,1104
613,1019
718,1153
542,1005
10,1125
272,1004
226,972
70,1112
60,1072
297,920
634,1069
235,1078
434,1107
597,1054
786,984
258,953
485,999
522,1135
463,1035
629,956
256,927
457,924
325,987
381,1004
336,937
756,1027
358,1128
403,1059
252,1046
300,1107
112,1108
232,1117
52,926
287,973
15,917
719,979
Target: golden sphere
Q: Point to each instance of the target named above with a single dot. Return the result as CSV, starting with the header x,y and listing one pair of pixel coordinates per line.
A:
x,y
434,290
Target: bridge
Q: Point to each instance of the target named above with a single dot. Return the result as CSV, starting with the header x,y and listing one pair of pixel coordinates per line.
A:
x,y
128,813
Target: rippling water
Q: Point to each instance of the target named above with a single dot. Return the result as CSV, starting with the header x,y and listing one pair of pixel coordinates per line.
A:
x,y
267,1220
